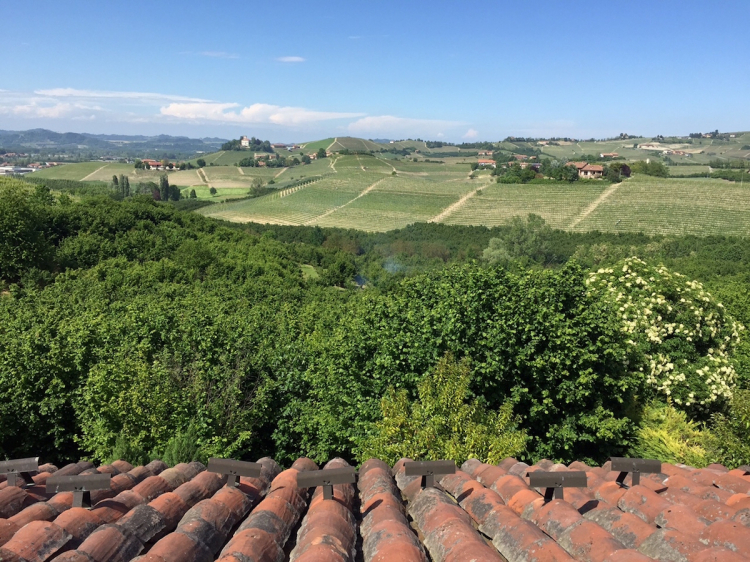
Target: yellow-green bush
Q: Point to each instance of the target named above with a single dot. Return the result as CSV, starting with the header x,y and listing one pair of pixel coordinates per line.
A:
x,y
668,435
443,423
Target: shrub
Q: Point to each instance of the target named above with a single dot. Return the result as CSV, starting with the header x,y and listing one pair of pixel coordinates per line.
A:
x,y
668,435
443,423
685,337
183,447
731,432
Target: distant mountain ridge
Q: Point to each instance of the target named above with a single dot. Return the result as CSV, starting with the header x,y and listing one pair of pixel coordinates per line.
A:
x,y
45,140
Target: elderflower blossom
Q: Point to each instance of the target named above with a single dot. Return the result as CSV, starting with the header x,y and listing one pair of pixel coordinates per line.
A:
x,y
688,320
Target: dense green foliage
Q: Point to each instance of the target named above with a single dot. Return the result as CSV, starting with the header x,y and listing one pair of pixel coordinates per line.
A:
x,y
131,328
669,435
441,425
256,145
653,168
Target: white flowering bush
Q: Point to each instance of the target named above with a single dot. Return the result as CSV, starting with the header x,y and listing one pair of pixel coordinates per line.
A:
x,y
681,334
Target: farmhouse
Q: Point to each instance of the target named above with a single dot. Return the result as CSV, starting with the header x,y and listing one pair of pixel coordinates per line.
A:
x,y
265,155
153,164
278,145
485,153
487,163
586,170
245,142
608,155
590,171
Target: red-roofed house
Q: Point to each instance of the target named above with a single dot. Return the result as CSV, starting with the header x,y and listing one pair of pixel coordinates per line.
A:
x,y
591,171
487,163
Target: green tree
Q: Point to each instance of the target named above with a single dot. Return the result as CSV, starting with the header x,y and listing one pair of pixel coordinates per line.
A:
x,y
164,190
114,181
443,423
23,237
212,190
321,153
201,163
530,239
193,194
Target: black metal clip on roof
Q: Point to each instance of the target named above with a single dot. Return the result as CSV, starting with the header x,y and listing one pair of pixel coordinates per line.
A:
x,y
22,467
326,478
428,469
555,482
635,467
234,469
81,486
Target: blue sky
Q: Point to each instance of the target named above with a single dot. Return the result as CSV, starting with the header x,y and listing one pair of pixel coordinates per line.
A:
x,y
436,70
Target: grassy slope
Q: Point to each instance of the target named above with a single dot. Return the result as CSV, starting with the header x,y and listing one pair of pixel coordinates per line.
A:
x,y
309,147
355,144
674,206
76,171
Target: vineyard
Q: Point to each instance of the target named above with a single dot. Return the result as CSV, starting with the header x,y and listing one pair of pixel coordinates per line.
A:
x,y
347,192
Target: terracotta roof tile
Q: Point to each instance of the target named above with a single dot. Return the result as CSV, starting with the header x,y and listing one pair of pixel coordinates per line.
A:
x,y
668,544
482,512
643,502
630,530
36,541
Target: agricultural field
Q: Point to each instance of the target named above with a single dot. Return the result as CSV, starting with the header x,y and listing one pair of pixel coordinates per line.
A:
x,y
673,206
354,144
570,151
497,204
77,171
309,147
303,205
687,170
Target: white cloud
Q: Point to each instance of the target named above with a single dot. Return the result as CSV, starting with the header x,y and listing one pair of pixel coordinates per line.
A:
x,y
44,111
471,134
106,94
219,55
290,59
255,113
398,126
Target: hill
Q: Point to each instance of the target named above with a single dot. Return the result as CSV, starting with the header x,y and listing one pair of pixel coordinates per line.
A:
x,y
354,144
43,143
396,186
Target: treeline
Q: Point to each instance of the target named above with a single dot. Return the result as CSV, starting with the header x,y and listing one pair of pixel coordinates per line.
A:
x,y
256,145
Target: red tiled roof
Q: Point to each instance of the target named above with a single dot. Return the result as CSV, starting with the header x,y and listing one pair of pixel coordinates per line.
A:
x,y
481,513
593,168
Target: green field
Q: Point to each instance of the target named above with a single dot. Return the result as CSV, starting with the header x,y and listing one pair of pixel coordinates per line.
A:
x,y
673,206
558,204
304,205
76,171
687,170
309,147
354,144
